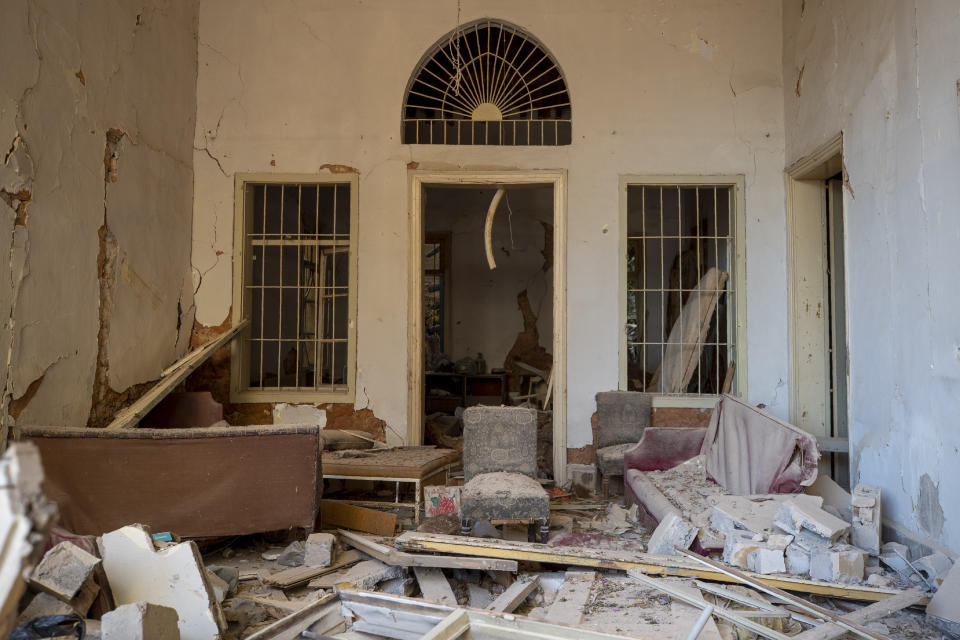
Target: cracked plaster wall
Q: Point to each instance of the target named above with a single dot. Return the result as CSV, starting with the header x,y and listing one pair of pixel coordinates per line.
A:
x,y
72,71
657,88
885,73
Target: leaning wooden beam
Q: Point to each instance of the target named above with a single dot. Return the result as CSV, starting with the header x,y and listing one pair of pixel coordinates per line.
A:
x,y
130,416
391,556
809,607
866,615
597,558
700,603
516,593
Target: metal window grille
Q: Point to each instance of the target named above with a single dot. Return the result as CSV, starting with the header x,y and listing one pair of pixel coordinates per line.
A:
x,y
297,286
487,83
680,298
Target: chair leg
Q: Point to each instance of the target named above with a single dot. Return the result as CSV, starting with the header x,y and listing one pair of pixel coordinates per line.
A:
x,y
605,487
466,526
544,531
532,532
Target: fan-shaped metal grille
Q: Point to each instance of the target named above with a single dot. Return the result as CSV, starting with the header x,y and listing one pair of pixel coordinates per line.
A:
x,y
487,83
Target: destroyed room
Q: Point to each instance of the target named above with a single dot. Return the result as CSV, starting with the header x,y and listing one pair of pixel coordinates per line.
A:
x,y
480,319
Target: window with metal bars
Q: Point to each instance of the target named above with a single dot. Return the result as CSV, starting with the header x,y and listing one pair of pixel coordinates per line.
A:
x,y
487,83
680,314
298,288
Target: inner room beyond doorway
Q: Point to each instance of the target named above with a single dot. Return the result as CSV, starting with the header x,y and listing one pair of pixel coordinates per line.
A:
x,y
488,332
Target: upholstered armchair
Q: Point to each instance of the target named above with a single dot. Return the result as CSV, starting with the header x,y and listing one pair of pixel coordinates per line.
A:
x,y
500,466
622,417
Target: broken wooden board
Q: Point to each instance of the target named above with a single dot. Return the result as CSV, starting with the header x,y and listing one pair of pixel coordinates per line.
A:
x,y
809,607
296,576
434,586
868,614
393,557
130,416
348,516
567,607
604,559
695,600
322,616
514,595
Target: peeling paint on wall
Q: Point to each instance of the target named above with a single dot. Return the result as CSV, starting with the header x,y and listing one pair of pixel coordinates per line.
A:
x,y
136,90
928,508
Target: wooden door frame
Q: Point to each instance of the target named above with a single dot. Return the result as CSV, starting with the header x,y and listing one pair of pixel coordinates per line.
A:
x,y
418,181
806,202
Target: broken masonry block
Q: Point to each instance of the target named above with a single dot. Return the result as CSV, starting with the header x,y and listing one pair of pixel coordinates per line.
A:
x,y
933,567
44,604
140,621
738,545
765,560
865,529
63,570
779,541
173,577
672,532
842,563
292,555
747,513
218,584
319,550
804,512
797,559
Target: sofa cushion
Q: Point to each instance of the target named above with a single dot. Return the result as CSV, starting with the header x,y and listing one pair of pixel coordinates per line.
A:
x,y
504,496
610,459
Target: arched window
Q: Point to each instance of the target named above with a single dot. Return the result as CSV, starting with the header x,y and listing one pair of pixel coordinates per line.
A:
x,y
487,83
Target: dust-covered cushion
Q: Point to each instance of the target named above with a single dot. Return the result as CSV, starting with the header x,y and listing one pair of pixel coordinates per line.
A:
x,y
610,459
503,496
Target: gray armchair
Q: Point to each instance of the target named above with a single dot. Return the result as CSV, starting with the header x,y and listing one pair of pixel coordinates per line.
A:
x,y
622,417
500,466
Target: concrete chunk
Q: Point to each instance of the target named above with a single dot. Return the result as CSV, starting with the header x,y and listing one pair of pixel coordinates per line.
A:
x,y
672,532
173,577
140,621
842,563
63,570
804,512
865,529
319,550
292,555
44,604
738,545
766,560
797,559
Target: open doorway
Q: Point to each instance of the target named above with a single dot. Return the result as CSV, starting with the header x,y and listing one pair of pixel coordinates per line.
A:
x,y
487,305
485,308
818,311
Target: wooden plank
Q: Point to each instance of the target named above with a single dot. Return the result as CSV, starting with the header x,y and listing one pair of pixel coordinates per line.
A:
x,y
290,627
868,614
450,628
809,607
130,416
698,602
514,595
296,576
434,586
598,558
348,516
572,597
395,558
